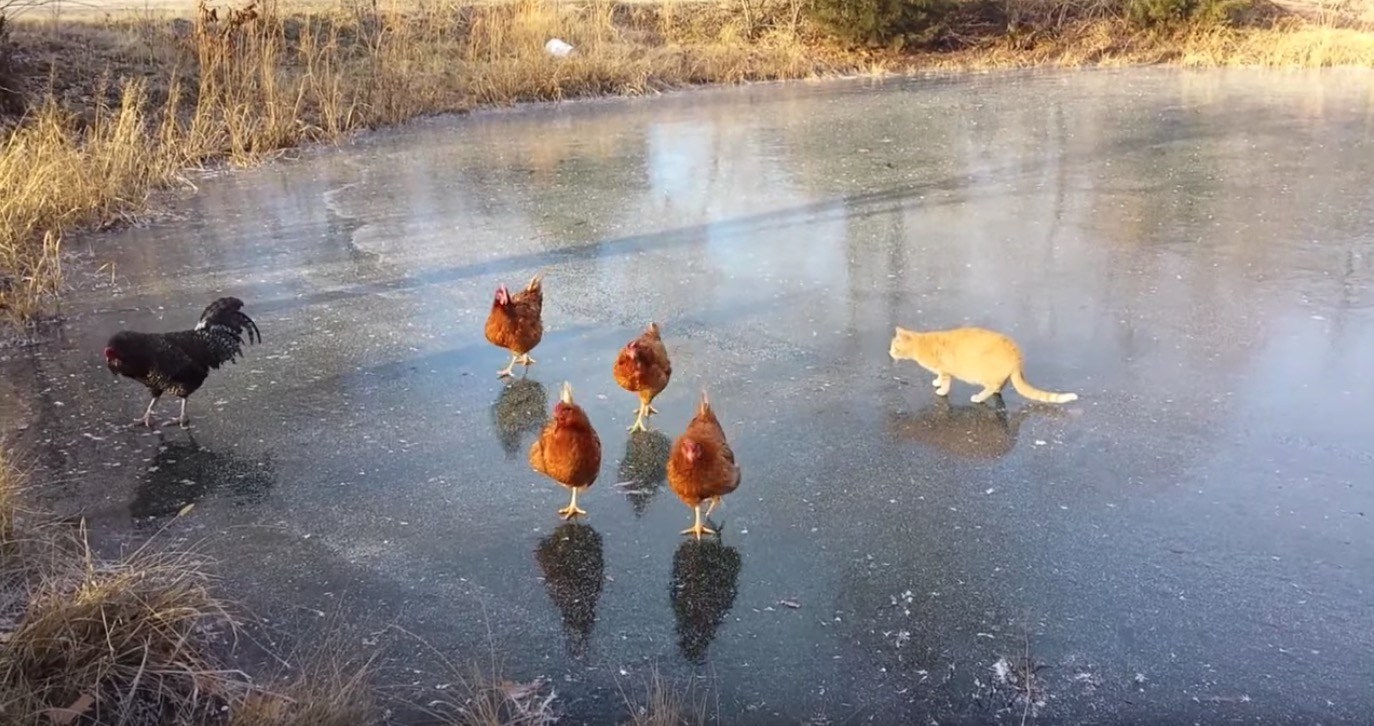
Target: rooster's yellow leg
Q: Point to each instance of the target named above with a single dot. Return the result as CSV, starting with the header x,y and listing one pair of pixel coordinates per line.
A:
x,y
571,510
183,420
527,361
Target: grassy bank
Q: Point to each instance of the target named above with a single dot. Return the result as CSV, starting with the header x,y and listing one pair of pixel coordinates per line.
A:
x,y
103,110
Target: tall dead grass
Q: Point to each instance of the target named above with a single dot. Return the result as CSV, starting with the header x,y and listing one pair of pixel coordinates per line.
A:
x,y
141,640
10,479
664,703
1286,43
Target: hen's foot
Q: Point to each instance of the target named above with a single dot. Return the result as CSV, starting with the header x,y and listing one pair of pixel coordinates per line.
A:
x,y
571,511
639,422
698,530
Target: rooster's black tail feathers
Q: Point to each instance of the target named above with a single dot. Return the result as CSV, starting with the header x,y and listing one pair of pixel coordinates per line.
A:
x,y
226,324
227,313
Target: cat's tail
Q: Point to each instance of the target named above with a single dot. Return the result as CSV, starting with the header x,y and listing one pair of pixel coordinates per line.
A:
x,y
1023,387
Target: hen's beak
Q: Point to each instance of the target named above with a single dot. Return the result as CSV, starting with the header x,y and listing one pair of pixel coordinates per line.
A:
x,y
538,277
566,395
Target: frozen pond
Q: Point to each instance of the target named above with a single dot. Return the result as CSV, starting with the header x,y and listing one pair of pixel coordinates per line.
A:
x,y
1190,252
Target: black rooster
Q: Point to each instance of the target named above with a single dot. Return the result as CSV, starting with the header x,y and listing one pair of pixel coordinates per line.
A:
x,y
178,363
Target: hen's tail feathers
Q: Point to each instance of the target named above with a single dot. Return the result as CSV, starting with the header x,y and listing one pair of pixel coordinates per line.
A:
x,y
226,323
1018,381
534,292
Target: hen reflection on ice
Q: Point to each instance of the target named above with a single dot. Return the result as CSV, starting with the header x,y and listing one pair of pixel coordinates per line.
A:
x,y
705,582
520,409
978,432
184,472
574,570
644,468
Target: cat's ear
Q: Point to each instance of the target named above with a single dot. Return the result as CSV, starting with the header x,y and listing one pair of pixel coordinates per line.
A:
x,y
901,331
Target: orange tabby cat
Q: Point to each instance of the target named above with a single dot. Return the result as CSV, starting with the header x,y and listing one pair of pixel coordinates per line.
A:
x,y
972,355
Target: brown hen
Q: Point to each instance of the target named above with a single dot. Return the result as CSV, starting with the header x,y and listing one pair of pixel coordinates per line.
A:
x,y
702,465
643,368
568,450
515,323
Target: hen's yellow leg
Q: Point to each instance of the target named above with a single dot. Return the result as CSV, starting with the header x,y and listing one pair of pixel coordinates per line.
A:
x,y
698,529
639,421
572,509
714,501
509,370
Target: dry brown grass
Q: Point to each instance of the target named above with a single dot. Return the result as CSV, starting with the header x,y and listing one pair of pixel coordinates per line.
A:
x,y
117,642
664,703
10,478
1288,43
100,642
142,640
331,691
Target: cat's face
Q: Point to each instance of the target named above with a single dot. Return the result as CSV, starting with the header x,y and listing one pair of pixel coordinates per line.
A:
x,y
901,344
